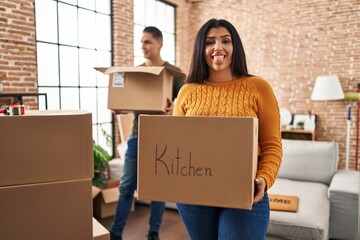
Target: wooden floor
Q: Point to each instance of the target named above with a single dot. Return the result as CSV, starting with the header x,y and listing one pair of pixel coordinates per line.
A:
x,y
137,226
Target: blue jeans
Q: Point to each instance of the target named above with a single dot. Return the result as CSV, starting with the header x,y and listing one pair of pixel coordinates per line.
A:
x,y
214,223
127,188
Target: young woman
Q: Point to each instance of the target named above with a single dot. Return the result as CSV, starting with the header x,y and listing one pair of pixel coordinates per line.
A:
x,y
219,84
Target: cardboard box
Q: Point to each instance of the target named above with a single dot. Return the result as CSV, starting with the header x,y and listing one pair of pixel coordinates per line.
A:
x,y
208,161
45,146
139,88
105,200
125,122
56,211
99,231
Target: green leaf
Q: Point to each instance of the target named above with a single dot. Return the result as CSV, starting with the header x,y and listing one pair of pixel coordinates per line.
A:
x,y
100,154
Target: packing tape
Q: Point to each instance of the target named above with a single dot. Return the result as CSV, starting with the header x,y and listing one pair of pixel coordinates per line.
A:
x,y
13,110
354,96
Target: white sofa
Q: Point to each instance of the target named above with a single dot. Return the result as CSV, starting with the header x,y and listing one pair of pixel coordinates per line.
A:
x,y
328,198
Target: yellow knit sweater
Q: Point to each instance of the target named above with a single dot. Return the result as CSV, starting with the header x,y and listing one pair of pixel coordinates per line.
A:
x,y
247,96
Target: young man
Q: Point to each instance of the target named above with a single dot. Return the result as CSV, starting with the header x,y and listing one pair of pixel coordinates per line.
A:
x,y
152,42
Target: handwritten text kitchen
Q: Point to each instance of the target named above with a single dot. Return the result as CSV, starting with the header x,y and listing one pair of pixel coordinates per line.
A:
x,y
178,165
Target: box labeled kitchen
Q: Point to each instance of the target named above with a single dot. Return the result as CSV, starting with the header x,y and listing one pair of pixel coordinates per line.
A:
x,y
208,161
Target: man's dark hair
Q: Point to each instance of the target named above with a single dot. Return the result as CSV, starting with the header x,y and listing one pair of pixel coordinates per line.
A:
x,y
154,31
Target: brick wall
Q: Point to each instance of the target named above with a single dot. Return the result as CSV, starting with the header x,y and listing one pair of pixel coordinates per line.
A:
x,y
123,32
123,39
288,43
17,49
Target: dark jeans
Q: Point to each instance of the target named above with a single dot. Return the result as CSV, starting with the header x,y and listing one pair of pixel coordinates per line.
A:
x,y
214,223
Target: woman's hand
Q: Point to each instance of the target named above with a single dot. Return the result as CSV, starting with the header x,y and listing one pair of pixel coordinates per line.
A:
x,y
260,186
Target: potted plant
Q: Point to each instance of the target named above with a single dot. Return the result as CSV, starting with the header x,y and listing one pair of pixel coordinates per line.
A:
x,y
101,158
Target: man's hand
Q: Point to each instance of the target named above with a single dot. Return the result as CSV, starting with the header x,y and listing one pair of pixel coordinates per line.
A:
x,y
169,107
260,186
116,112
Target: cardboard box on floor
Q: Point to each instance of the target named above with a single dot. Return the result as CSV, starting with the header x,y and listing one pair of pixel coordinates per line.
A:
x,y
56,211
44,146
99,231
139,88
105,200
208,161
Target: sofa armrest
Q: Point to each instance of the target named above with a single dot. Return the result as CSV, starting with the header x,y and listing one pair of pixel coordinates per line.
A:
x,y
344,203
345,181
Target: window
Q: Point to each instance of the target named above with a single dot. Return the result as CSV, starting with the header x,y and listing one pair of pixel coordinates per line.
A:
x,y
73,37
161,15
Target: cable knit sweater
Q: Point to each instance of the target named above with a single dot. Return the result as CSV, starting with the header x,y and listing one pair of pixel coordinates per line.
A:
x,y
247,96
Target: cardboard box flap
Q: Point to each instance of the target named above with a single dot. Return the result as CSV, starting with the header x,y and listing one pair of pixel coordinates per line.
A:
x,y
110,195
99,231
101,69
143,69
46,113
139,69
177,73
95,191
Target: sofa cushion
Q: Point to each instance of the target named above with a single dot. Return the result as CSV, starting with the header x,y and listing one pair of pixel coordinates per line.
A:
x,y
270,237
313,161
311,221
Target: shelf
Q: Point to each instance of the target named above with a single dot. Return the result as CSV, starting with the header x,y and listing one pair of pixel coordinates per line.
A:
x,y
297,134
20,96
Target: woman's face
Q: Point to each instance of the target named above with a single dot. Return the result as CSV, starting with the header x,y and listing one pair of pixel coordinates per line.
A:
x,y
218,50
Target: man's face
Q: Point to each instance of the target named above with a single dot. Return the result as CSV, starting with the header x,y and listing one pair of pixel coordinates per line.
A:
x,y
150,46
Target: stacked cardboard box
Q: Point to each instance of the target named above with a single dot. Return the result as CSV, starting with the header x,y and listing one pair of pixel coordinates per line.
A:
x,y
46,169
